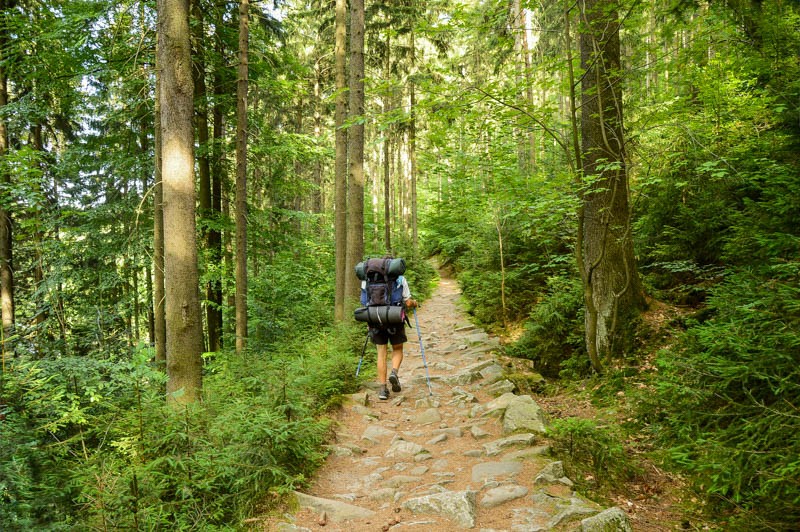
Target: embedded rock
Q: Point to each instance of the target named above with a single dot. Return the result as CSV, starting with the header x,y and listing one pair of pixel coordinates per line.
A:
x,y
458,506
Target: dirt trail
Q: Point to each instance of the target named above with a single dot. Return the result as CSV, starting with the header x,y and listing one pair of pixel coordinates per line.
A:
x,y
469,456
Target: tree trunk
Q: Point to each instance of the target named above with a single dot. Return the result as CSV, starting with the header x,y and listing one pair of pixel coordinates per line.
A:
x,y
159,314
214,242
412,147
184,324
340,168
387,225
6,235
203,158
612,289
355,192
241,179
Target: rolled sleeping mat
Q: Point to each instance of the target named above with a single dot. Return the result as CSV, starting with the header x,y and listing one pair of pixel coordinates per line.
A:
x,y
397,267
361,270
380,316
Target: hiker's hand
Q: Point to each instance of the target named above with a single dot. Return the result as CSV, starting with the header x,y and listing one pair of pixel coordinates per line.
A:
x,y
411,303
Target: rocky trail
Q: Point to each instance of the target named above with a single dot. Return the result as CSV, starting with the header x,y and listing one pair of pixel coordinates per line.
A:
x,y
473,455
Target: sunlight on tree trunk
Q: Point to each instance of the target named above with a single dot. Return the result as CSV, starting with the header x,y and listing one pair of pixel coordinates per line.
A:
x,y
340,169
6,240
241,179
159,312
184,324
355,185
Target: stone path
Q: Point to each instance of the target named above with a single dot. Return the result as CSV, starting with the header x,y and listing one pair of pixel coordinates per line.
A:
x,y
473,455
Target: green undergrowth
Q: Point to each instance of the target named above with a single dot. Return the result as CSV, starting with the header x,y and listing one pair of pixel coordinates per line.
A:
x,y
91,445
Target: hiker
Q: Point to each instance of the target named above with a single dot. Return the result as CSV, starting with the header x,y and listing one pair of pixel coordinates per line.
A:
x,y
386,295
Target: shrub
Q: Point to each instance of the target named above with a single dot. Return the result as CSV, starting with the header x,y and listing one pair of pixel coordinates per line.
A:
x,y
729,394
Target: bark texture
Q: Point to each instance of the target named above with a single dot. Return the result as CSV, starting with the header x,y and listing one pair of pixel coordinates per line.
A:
x,y
6,240
184,324
355,185
612,289
340,167
241,179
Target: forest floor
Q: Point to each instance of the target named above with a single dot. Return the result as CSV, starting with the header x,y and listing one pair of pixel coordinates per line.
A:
x,y
388,456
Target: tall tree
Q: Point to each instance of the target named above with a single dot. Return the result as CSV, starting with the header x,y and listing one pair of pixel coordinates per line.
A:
x,y
6,236
355,185
183,318
204,166
612,290
218,175
241,179
340,168
159,296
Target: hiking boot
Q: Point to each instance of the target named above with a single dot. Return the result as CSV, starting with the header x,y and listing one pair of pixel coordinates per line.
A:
x,y
384,393
395,381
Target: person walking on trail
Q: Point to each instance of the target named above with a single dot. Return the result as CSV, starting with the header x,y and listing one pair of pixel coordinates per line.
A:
x,y
382,334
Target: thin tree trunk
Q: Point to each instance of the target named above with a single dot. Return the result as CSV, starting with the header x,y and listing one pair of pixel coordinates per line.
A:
x,y
340,169
6,225
241,179
159,295
355,192
612,290
184,323
412,147
214,243
355,196
387,226
317,200
201,128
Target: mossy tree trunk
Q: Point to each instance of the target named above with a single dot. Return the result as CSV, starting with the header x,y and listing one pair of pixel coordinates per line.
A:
x,y
612,289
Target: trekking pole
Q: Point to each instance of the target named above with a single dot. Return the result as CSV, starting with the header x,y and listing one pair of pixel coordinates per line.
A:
x,y
422,350
363,350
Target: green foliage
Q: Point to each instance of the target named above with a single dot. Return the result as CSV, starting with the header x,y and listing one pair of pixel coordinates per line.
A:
x,y
593,454
728,394
91,443
554,332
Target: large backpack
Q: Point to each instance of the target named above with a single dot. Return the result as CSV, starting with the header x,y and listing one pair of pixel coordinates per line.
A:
x,y
382,293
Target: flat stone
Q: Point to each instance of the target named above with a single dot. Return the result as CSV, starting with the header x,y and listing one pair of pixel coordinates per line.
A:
x,y
526,454
419,470
403,449
492,373
452,432
500,387
610,520
336,510
496,407
478,433
473,453
523,415
462,378
376,433
458,506
553,473
490,470
437,439
431,415
517,440
399,480
477,338
382,494
358,398
501,494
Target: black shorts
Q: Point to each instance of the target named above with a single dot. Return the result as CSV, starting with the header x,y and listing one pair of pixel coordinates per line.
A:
x,y
394,335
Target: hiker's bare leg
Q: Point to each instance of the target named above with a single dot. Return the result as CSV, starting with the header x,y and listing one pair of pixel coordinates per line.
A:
x,y
397,356
382,363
